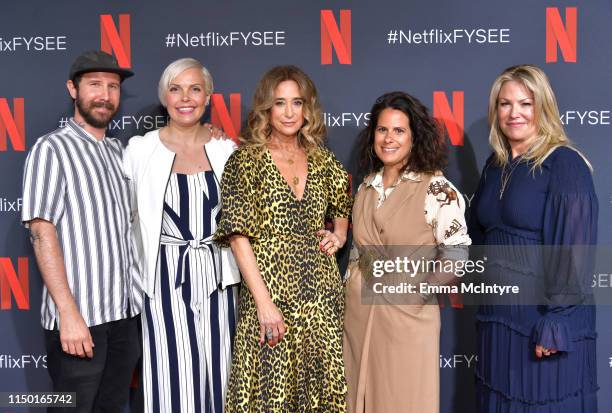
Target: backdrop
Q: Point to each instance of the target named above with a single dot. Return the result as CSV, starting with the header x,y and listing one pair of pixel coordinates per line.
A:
x,y
445,52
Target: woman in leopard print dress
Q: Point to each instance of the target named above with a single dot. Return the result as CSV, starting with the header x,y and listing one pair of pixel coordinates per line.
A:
x,y
277,190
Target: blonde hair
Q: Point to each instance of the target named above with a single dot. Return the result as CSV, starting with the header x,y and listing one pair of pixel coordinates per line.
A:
x,y
549,130
176,68
258,128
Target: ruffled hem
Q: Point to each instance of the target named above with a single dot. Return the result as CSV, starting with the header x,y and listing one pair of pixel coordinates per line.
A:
x,y
579,335
517,328
490,400
507,365
577,393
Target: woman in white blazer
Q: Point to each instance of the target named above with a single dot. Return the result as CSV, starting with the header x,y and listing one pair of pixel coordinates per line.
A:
x,y
189,282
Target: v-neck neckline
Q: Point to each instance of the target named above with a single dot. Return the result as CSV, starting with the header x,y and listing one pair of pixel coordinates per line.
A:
x,y
287,185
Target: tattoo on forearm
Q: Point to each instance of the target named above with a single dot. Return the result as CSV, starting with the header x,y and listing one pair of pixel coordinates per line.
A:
x,y
35,238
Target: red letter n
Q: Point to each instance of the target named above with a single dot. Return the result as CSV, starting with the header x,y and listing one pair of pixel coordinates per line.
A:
x,y
18,285
455,300
452,119
229,121
340,37
12,125
117,42
563,35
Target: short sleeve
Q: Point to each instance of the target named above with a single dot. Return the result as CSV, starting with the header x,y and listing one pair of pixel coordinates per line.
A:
x,y
239,188
445,212
44,185
569,231
339,197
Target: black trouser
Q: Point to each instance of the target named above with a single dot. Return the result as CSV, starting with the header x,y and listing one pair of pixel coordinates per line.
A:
x,y
102,383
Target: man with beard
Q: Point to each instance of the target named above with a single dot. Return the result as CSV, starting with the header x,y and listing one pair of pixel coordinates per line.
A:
x,y
76,203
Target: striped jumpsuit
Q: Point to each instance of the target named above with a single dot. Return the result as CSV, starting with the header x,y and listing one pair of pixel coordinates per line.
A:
x,y
188,326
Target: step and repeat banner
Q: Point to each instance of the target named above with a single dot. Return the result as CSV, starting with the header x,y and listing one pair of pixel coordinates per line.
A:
x,y
445,52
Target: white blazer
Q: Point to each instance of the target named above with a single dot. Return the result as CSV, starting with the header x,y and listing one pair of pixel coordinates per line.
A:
x,y
148,165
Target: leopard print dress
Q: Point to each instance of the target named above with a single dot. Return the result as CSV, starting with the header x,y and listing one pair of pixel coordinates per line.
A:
x,y
305,372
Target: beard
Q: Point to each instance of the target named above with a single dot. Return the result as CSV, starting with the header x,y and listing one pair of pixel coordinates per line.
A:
x,y
92,118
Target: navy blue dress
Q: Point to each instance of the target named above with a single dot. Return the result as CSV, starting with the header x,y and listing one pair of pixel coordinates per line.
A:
x,y
555,205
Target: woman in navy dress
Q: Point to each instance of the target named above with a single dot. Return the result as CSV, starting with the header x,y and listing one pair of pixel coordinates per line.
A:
x,y
535,191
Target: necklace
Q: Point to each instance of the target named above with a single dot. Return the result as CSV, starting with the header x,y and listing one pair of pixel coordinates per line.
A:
x,y
288,156
505,178
296,179
289,159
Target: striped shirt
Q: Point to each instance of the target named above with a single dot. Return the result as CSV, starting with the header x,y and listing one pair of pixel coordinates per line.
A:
x,y
76,182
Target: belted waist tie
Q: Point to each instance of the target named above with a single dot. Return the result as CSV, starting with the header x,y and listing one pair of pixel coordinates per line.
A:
x,y
209,263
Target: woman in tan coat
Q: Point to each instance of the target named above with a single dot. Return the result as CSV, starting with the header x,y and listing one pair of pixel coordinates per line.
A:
x,y
391,341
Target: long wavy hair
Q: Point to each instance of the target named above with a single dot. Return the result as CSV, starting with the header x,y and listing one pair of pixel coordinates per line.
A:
x,y
550,133
428,153
258,128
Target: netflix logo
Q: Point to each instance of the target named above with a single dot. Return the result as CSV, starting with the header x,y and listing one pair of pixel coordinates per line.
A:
x,y
561,34
12,124
450,118
336,37
14,284
228,120
116,40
